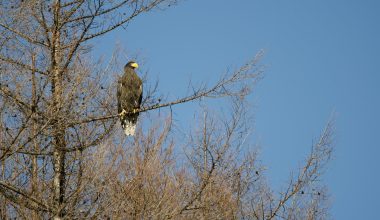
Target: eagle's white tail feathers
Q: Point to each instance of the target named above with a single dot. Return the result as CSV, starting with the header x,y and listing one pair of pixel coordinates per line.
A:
x,y
129,128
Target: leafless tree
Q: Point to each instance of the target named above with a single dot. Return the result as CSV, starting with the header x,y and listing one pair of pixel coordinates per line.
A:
x,y
63,157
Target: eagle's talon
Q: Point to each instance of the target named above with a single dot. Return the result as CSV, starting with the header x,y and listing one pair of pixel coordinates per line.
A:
x,y
122,113
135,110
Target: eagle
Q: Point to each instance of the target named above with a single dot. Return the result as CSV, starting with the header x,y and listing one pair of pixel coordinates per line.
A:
x,y
129,96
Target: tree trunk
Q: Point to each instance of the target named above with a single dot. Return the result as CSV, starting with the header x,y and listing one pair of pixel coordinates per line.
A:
x,y
58,126
34,178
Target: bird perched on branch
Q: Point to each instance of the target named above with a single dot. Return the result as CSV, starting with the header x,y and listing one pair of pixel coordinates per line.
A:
x,y
129,96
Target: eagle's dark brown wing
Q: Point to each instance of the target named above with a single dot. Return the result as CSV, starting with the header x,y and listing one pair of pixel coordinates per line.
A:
x,y
129,96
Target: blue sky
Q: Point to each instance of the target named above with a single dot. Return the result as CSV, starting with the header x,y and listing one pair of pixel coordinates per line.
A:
x,y
321,57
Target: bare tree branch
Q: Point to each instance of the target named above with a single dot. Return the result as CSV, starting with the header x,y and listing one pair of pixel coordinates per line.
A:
x,y
40,204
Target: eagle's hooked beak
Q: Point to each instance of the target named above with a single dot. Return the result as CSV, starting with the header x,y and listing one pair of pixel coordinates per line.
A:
x,y
135,65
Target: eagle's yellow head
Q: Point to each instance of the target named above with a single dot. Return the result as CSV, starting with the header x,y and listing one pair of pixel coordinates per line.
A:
x,y
132,64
